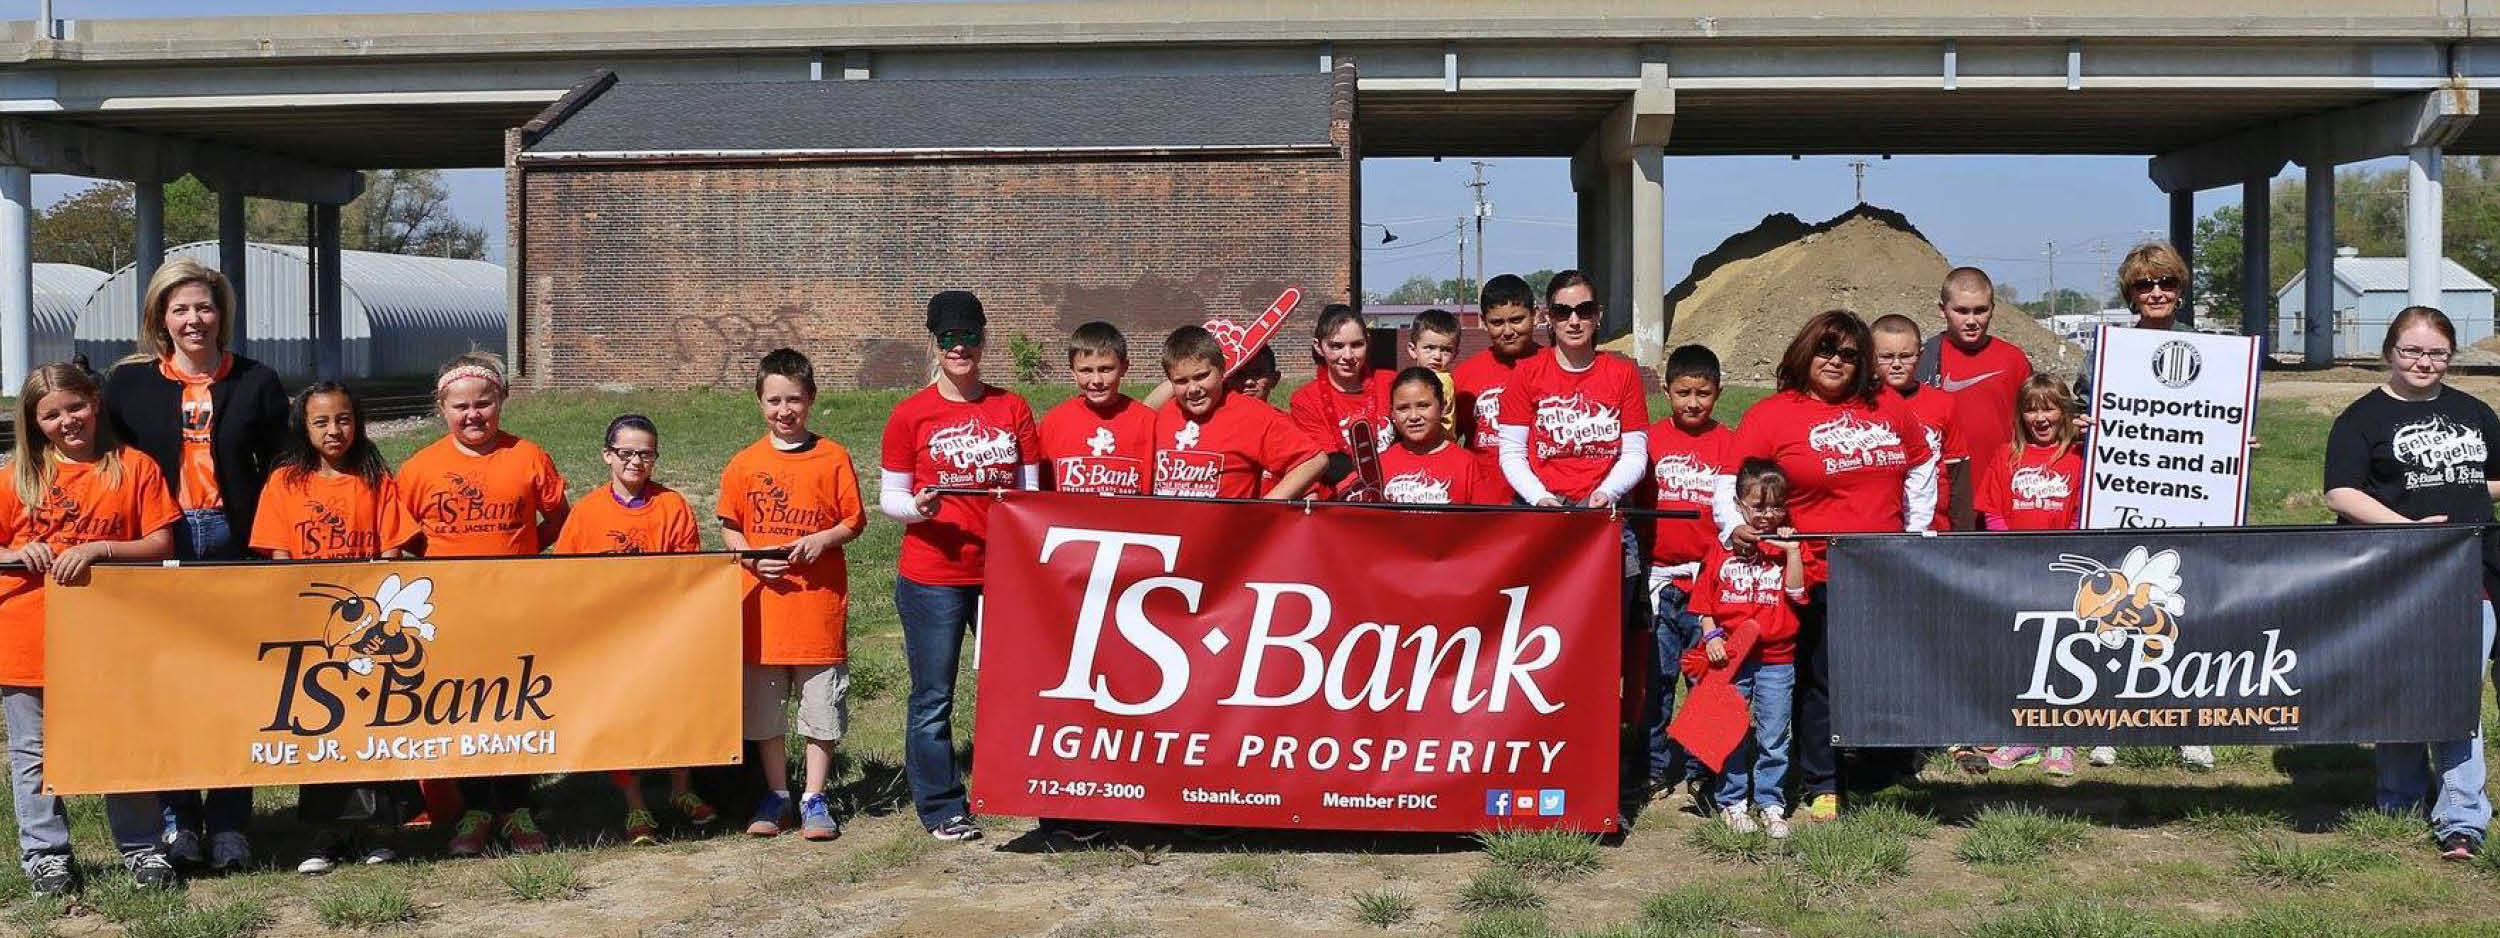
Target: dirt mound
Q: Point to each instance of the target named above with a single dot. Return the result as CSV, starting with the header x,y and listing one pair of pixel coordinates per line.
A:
x,y
1748,297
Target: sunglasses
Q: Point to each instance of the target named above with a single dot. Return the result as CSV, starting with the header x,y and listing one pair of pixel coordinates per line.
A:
x,y
959,338
1589,310
2167,283
1845,353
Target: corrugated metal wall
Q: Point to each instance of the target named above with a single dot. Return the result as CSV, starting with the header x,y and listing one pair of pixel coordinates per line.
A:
x,y
402,315
60,292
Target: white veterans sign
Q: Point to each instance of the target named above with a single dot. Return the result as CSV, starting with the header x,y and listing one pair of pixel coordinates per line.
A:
x,y
2173,413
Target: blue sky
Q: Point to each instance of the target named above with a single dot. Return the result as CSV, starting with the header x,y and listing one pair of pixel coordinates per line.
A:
x,y
1999,213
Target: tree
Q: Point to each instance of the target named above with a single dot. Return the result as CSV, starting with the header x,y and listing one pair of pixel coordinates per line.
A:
x,y
2063,300
2369,217
402,211
1422,288
91,227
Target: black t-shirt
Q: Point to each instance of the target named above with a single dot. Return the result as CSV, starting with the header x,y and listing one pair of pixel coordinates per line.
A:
x,y
2421,458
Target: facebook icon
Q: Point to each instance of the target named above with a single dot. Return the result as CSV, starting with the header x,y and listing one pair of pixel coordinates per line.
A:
x,y
1497,802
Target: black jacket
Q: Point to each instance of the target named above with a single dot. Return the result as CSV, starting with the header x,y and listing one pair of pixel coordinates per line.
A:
x,y
145,408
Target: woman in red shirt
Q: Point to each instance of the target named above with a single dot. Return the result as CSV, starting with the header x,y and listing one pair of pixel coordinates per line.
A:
x,y
1857,460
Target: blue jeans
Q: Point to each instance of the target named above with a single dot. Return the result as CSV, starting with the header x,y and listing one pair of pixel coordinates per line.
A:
x,y
1678,630
203,534
935,619
1759,766
2405,773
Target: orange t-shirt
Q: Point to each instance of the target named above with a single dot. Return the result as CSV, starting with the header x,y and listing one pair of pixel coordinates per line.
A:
x,y
80,507
775,497
311,516
197,489
481,506
599,524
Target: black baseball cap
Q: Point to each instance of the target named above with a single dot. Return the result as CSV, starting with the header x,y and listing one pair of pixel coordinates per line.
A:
x,y
956,311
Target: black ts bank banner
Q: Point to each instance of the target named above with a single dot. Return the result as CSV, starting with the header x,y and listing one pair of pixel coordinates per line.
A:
x,y
2157,637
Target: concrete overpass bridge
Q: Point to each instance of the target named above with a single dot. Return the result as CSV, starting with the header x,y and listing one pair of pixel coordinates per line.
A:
x,y
2214,92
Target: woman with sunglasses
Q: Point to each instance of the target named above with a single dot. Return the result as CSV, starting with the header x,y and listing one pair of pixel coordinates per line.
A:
x,y
2414,450
1857,461
957,433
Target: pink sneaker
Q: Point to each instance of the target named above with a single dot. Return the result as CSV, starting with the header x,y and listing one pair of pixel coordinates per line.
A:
x,y
2007,757
2060,761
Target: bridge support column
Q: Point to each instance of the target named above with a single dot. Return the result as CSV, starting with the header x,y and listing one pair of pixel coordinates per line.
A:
x,y
2317,326
2423,249
329,347
147,204
2183,239
17,275
2256,276
230,261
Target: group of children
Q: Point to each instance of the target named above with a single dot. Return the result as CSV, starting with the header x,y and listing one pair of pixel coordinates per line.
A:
x,y
1514,423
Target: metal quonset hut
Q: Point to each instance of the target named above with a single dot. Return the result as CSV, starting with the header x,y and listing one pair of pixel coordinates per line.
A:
x,y
61,290
400,314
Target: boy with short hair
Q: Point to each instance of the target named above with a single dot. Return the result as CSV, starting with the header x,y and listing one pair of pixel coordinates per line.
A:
x,y
1432,341
1507,309
1982,371
796,491
1690,453
1211,444
1896,356
1101,441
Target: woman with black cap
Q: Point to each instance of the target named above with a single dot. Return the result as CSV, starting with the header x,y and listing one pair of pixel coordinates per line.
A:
x,y
956,433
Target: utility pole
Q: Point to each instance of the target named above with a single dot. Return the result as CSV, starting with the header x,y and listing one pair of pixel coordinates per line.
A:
x,y
2051,253
1483,208
1858,166
1462,257
2100,246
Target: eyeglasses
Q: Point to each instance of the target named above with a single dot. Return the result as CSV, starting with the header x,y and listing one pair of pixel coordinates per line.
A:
x,y
1589,310
959,338
1846,353
635,455
2415,353
2170,284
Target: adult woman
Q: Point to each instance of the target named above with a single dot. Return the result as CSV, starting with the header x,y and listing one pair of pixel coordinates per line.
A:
x,y
958,432
2412,450
213,421
1856,461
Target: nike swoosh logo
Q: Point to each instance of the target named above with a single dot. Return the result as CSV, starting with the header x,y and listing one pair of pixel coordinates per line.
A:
x,y
1965,384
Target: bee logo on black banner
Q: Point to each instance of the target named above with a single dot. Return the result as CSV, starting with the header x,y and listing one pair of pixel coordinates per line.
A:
x,y
2140,597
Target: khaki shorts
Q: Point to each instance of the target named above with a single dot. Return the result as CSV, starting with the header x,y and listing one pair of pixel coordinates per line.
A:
x,y
824,708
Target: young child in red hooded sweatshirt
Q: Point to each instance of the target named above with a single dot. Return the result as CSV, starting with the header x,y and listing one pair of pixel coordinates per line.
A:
x,y
1745,598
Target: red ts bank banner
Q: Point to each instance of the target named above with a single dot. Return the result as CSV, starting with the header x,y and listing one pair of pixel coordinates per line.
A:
x,y
1345,668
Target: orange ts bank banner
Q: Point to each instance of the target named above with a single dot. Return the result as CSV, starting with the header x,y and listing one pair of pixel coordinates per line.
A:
x,y
285,674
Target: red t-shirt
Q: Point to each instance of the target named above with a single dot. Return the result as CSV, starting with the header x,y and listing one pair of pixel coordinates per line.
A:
x,y
1449,475
1478,402
1095,452
1984,384
1936,409
2042,490
1223,455
956,444
1734,590
1684,472
1575,419
1323,412
1845,462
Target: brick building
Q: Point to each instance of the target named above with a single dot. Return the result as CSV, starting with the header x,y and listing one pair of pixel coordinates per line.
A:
x,y
668,235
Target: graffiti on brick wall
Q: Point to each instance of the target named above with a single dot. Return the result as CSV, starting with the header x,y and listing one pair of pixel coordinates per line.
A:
x,y
722,349
893,363
1149,307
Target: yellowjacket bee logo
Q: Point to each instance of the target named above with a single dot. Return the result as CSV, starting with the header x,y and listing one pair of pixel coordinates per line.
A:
x,y
371,659
2140,597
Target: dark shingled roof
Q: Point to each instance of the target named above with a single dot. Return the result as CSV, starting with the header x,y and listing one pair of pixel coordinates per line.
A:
x,y
1257,111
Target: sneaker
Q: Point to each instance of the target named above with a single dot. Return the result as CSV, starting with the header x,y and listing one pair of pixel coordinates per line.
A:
x,y
469,839
771,815
152,870
2457,846
1698,789
316,865
327,847
2007,757
229,851
1775,821
1971,761
52,874
520,831
1737,820
957,828
182,845
377,855
2102,756
2197,758
816,818
2060,761
641,829
1823,807
697,811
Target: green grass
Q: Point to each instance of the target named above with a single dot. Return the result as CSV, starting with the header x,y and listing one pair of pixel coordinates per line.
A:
x,y
1838,857
1383,908
366,902
544,877
1546,855
2232,820
2380,828
2069,919
2010,834
2283,861
230,919
1692,908
1890,819
1506,923
894,854
1498,889
1720,842
1262,871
